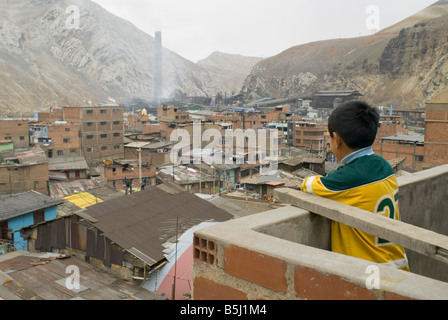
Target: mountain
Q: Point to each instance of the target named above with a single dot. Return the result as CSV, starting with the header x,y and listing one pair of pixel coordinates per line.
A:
x,y
404,65
229,70
47,60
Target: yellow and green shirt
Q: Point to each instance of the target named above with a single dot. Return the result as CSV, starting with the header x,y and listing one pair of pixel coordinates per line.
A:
x,y
368,182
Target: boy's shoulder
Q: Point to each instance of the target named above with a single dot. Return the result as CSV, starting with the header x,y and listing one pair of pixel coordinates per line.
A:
x,y
362,171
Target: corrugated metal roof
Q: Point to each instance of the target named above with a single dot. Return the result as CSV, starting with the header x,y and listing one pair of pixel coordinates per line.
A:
x,y
44,277
70,163
419,138
16,205
150,145
138,222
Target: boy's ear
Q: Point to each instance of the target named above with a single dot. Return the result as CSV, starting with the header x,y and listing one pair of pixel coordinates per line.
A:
x,y
337,139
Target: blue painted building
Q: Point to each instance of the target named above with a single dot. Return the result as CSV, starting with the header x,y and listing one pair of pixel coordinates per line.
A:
x,y
228,176
23,210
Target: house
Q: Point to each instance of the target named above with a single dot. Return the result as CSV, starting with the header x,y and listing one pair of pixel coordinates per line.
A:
x,y
126,235
410,146
332,99
68,168
304,161
263,185
23,170
22,210
58,139
155,153
97,130
15,130
226,176
126,175
190,179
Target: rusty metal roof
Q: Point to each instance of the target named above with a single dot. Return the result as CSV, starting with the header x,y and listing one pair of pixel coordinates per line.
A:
x,y
43,277
141,222
67,163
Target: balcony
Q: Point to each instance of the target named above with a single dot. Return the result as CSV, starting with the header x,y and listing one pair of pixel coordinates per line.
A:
x,y
284,254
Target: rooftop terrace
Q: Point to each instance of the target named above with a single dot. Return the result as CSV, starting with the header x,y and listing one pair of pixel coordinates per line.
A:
x,y
285,253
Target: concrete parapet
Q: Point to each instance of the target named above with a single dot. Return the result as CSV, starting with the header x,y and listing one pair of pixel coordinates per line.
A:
x,y
260,257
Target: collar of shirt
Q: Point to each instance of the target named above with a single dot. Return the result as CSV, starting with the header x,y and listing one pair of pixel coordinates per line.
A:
x,y
357,154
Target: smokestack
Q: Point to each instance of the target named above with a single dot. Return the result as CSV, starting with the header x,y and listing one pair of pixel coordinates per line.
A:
x,y
158,71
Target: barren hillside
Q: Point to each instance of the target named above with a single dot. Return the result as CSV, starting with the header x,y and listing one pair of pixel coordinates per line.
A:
x,y
404,65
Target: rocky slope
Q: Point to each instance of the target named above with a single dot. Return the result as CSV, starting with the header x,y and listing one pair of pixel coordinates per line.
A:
x,y
45,60
229,70
404,65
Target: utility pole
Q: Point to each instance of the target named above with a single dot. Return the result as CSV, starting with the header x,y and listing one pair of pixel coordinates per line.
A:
x,y
140,166
173,294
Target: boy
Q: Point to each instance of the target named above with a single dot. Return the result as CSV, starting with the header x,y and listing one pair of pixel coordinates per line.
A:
x,y
365,180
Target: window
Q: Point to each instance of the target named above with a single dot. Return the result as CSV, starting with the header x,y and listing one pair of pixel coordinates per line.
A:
x,y
245,173
39,216
103,135
116,123
89,124
60,152
116,134
66,140
89,137
103,111
22,138
67,129
89,111
116,147
103,123
89,150
116,110
146,181
104,148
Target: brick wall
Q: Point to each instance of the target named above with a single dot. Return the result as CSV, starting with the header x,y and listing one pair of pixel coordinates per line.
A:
x,y
234,260
16,179
117,174
390,150
51,116
65,140
250,275
16,131
148,156
436,134
102,131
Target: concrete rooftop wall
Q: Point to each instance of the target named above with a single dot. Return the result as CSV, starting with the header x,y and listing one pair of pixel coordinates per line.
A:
x,y
284,254
423,203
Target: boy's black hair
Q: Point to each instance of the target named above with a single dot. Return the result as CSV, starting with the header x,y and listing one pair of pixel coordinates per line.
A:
x,y
356,122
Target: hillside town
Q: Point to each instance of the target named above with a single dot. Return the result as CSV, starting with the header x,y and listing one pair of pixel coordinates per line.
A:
x,y
198,182
67,167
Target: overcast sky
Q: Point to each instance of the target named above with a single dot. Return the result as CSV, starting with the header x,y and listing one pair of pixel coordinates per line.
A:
x,y
260,28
